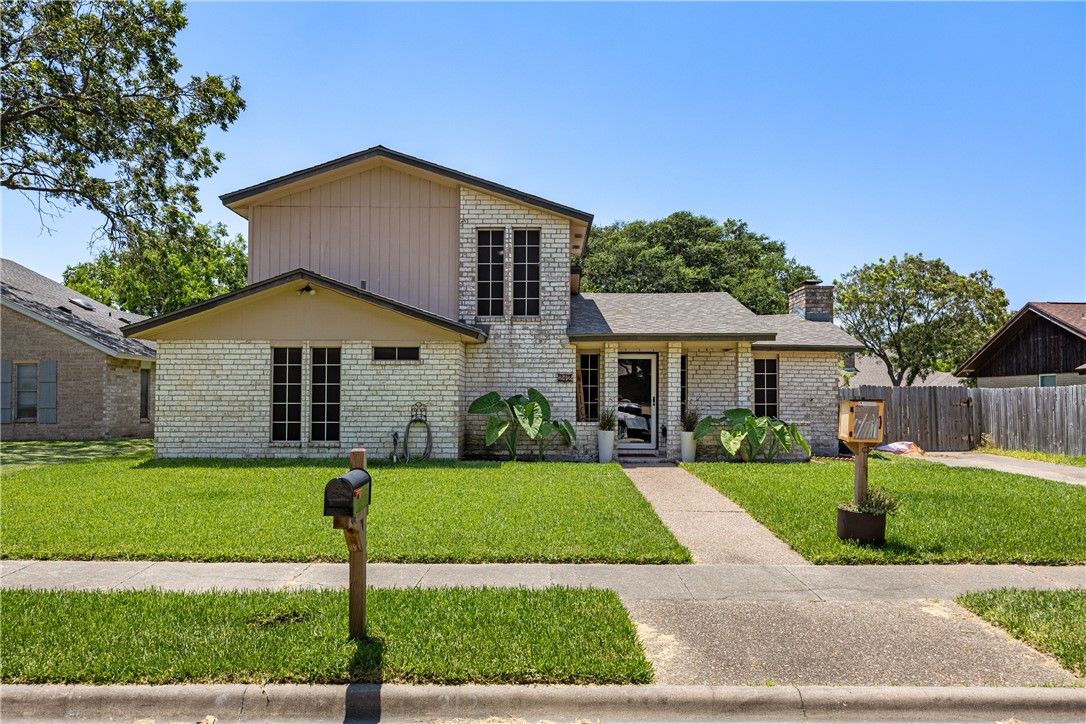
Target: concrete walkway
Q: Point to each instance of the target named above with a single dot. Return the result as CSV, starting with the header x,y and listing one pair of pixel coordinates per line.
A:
x,y
1002,463
711,526
710,582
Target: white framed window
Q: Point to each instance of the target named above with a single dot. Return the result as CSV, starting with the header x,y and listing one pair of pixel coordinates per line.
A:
x,y
490,268
1046,380
590,386
765,387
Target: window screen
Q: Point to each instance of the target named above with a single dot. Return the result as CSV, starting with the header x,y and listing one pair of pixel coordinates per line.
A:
x,y
526,272
325,395
765,387
491,271
286,394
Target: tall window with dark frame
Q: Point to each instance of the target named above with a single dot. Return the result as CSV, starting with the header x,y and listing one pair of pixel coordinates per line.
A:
x,y
491,273
765,388
286,394
145,394
324,425
590,386
526,272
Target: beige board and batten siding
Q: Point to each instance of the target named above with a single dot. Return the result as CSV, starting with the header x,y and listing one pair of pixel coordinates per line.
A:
x,y
1063,379
396,231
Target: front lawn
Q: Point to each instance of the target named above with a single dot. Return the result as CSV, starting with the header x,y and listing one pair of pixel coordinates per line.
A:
x,y
948,515
260,510
19,455
1051,621
432,636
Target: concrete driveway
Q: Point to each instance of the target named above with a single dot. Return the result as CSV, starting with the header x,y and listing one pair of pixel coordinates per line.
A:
x,y
1002,463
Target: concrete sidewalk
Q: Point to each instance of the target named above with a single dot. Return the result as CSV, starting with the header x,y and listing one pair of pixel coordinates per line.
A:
x,y
709,582
1002,463
711,526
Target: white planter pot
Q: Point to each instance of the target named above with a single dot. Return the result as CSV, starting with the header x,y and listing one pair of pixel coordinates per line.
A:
x,y
606,441
689,446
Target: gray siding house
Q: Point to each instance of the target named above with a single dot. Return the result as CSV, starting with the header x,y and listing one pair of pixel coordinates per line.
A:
x,y
67,371
379,281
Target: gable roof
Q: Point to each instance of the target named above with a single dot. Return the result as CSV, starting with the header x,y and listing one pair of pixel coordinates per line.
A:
x,y
647,316
870,371
232,198
1069,316
59,307
476,333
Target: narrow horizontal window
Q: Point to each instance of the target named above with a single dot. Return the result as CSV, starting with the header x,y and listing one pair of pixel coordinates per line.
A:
x,y
396,354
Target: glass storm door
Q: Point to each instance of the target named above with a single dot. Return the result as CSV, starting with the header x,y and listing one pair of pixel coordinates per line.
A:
x,y
637,401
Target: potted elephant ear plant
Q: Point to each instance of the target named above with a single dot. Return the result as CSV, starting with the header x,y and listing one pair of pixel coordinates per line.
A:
x,y
688,444
605,436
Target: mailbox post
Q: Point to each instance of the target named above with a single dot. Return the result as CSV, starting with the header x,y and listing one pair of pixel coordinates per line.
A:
x,y
859,426
347,500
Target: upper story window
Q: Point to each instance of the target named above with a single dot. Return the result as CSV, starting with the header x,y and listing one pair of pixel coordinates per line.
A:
x,y
491,273
765,388
526,272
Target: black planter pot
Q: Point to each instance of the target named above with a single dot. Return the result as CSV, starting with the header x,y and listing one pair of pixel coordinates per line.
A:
x,y
866,528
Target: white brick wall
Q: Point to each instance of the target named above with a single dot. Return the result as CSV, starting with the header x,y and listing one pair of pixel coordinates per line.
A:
x,y
214,400
807,386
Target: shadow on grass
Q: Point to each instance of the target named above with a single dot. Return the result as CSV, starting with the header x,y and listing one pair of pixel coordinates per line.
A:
x,y
362,702
18,454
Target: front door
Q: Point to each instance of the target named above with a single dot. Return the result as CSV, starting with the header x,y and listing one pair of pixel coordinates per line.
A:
x,y
637,401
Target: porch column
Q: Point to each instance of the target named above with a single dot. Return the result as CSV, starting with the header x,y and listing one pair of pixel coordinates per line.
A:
x,y
744,376
609,372
673,396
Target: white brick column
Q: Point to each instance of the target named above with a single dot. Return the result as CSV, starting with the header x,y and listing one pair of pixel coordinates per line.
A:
x,y
744,376
609,373
673,395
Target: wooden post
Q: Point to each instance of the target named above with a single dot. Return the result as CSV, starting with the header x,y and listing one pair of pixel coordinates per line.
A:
x,y
356,545
860,482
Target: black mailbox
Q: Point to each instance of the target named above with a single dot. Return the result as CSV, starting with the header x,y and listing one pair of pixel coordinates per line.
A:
x,y
348,494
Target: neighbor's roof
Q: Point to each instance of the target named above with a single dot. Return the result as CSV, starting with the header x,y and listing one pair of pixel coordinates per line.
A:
x,y
234,197
1070,316
798,334
57,306
871,371
296,275
696,316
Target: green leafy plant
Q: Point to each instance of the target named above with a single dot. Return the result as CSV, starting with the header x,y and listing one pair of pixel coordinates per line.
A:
x,y
747,437
878,502
510,416
607,421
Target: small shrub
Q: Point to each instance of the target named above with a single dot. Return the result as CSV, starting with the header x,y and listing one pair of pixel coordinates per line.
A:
x,y
690,419
608,420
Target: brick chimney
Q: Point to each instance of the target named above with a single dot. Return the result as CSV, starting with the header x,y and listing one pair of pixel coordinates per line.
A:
x,y
813,301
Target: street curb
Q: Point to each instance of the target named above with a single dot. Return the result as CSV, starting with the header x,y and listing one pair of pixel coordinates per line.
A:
x,y
371,703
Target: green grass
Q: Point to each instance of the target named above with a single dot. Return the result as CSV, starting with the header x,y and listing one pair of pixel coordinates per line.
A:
x,y
1051,621
440,636
947,515
1075,460
259,510
20,455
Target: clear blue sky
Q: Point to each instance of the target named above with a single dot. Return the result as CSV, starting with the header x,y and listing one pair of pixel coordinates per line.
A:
x,y
849,131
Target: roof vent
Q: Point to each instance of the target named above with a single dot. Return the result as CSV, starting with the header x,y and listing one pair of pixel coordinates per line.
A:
x,y
126,321
81,303
64,309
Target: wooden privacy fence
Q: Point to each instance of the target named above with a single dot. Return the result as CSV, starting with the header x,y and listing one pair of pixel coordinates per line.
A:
x,y
1049,419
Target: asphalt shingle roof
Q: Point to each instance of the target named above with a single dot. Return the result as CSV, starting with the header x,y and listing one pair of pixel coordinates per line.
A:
x,y
871,371
698,315
27,290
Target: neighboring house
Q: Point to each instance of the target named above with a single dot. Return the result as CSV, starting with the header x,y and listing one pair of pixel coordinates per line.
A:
x,y
378,281
862,371
68,372
1043,345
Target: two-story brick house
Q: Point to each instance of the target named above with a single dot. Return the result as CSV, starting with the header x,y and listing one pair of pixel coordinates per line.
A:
x,y
379,280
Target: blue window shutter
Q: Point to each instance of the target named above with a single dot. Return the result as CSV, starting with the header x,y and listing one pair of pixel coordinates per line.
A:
x,y
47,391
5,393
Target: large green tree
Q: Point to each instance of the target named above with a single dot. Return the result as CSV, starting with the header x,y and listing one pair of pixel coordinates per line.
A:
x,y
918,314
688,253
163,272
95,114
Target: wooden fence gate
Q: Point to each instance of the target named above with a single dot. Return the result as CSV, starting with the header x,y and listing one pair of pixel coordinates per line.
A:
x,y
935,418
1051,419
